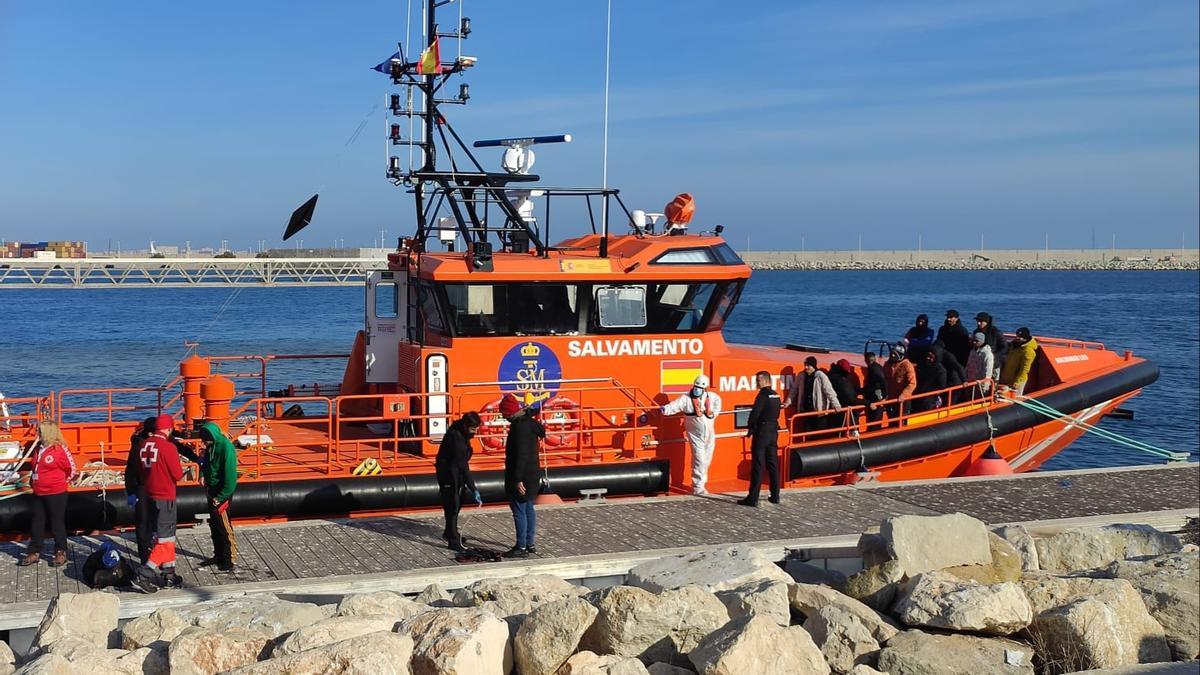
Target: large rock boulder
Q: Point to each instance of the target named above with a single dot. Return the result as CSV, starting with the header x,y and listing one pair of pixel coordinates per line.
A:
x,y
204,651
842,638
263,614
1170,587
1107,628
1005,565
79,650
8,660
1022,542
458,641
156,630
808,598
88,616
383,653
914,652
590,663
715,570
1085,549
765,597
518,595
661,668
551,634
754,644
329,631
940,600
665,627
876,586
435,596
873,548
379,603
929,543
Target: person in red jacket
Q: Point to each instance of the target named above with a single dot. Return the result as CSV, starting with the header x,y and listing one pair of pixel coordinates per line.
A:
x,y
53,468
160,471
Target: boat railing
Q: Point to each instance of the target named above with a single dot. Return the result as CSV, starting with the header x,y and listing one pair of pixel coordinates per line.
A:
x,y
24,413
1067,343
932,406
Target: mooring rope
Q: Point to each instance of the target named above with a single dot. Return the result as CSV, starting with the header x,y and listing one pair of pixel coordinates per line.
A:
x,y
1134,444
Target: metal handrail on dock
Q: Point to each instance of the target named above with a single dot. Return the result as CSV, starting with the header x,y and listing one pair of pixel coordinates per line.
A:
x,y
61,273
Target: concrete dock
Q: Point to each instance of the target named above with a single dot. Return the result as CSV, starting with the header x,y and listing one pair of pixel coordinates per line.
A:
x,y
580,541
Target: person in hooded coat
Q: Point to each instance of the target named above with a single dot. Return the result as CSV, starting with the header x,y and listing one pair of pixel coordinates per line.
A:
x,y
845,385
1022,352
700,408
454,474
919,339
106,567
218,469
901,383
874,390
931,376
954,336
135,495
522,472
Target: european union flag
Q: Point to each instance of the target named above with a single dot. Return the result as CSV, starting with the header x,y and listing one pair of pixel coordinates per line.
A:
x,y
386,66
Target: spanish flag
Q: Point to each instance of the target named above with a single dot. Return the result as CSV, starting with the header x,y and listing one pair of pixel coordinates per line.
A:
x,y
677,376
430,62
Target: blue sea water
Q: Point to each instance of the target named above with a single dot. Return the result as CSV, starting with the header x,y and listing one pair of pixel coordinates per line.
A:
x,y
54,339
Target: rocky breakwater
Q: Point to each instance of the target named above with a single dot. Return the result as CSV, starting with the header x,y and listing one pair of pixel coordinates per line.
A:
x,y
941,595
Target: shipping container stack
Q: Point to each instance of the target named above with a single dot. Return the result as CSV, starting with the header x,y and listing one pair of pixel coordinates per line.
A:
x,y
43,249
68,249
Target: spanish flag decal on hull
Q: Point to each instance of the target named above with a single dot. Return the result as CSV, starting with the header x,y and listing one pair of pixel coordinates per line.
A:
x,y
677,376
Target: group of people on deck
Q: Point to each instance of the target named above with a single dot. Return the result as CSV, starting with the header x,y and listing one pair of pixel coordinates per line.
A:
x,y
153,471
923,362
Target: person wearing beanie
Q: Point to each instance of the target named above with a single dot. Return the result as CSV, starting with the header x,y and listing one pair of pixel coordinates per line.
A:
x,y
954,336
107,567
1014,374
522,472
700,408
135,496
994,340
812,391
453,465
874,390
160,471
901,382
979,365
919,338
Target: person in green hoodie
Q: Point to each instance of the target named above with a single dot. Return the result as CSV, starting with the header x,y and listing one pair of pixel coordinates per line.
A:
x,y
218,467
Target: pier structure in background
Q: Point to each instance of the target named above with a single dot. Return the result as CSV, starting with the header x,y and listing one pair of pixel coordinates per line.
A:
x,y
184,272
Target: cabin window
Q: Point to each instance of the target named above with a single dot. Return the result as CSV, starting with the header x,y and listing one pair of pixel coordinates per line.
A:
x,y
513,309
385,300
621,306
653,308
726,255
685,256
727,299
431,313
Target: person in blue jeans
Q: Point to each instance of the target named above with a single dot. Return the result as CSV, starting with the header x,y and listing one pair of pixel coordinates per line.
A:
x,y
522,474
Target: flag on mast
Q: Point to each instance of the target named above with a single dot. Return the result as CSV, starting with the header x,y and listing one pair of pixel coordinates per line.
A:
x,y
430,62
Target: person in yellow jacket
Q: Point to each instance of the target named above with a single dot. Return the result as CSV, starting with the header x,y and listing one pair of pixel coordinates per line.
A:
x,y
1021,352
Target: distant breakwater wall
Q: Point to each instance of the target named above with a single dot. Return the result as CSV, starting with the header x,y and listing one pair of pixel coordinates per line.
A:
x,y
1070,259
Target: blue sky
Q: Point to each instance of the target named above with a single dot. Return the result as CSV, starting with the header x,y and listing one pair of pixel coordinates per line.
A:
x,y
789,121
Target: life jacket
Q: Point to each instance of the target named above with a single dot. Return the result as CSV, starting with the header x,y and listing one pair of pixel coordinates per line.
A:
x,y
708,406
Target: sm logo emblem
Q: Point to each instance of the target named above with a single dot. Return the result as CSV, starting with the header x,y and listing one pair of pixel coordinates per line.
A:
x,y
531,372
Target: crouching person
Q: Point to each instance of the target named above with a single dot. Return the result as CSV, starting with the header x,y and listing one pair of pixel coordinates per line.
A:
x,y
107,567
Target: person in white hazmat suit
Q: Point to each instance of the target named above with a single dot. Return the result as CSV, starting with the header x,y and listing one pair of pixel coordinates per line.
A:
x,y
700,408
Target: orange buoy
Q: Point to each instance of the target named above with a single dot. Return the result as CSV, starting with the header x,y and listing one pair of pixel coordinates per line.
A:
x,y
218,393
194,370
990,463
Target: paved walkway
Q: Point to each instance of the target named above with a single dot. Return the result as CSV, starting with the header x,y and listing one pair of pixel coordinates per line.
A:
x,y
320,548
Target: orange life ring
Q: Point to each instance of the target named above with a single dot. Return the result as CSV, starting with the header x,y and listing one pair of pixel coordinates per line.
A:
x,y
560,416
493,428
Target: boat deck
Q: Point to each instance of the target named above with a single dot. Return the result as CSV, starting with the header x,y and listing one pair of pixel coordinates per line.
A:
x,y
282,556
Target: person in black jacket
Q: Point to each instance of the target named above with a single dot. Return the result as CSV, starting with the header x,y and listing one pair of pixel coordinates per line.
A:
x,y
454,474
954,336
993,338
845,385
135,496
874,390
522,474
931,376
763,430
918,339
107,567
